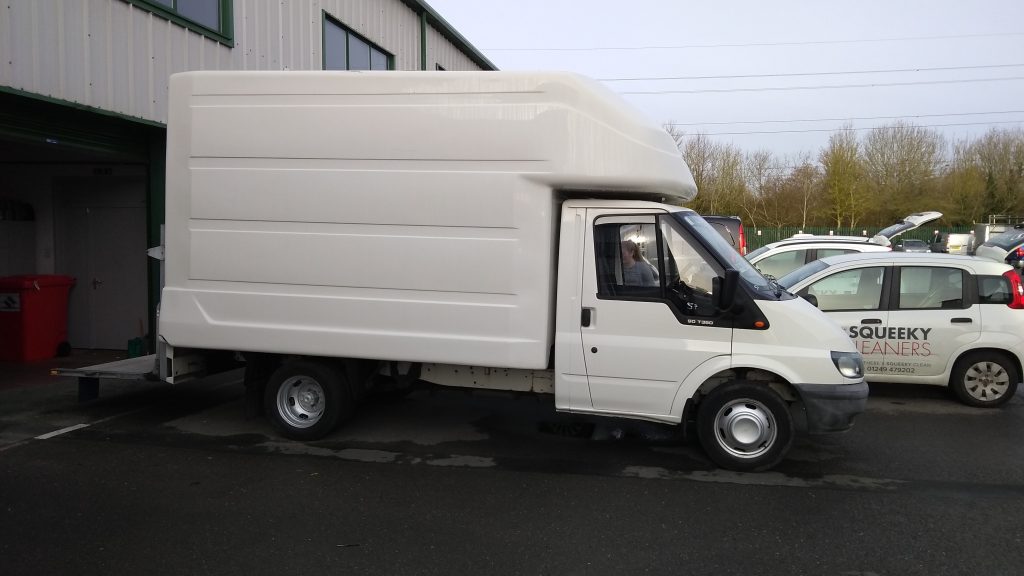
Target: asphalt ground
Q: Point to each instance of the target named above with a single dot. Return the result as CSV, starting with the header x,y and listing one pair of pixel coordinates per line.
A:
x,y
160,479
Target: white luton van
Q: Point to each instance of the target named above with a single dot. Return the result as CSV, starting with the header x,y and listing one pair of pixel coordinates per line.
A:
x,y
342,231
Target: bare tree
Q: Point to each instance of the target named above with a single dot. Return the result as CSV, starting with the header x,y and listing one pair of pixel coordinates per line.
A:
x,y
1000,157
843,179
901,162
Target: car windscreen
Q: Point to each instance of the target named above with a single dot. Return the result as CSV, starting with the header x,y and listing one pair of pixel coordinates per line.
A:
x,y
1007,240
798,275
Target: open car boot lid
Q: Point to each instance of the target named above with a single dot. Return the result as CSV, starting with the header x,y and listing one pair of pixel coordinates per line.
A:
x,y
910,222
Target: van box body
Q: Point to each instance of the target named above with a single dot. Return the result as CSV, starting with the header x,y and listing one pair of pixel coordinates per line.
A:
x,y
387,215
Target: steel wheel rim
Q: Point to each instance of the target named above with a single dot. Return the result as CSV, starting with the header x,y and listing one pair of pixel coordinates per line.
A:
x,y
745,428
300,401
986,381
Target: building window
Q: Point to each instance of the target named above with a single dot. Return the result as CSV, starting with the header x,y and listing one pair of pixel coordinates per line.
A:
x,y
212,18
346,50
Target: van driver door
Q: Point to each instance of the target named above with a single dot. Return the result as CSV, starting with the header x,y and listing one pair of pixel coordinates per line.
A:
x,y
649,318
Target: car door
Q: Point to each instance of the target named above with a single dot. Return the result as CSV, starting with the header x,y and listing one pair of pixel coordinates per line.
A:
x,y
856,299
641,338
932,317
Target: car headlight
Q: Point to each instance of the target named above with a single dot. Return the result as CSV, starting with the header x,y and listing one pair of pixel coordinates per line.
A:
x,y
849,364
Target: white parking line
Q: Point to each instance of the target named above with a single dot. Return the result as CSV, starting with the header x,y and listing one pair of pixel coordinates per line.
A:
x,y
49,435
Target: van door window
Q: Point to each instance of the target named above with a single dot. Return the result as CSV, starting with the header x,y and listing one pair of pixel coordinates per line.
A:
x,y
638,259
627,257
690,276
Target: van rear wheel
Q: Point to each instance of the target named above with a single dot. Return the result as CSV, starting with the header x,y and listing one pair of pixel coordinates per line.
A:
x,y
984,379
744,427
306,399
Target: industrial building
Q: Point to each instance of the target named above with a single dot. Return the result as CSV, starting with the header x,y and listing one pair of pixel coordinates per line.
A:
x,y
83,108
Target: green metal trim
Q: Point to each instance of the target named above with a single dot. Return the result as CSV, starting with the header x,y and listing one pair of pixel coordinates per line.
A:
x,y
323,41
446,30
224,36
156,194
423,40
76,105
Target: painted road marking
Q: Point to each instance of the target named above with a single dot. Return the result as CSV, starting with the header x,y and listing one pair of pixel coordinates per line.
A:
x,y
49,435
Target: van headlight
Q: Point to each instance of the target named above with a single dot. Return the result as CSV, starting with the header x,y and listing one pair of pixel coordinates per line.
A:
x,y
849,364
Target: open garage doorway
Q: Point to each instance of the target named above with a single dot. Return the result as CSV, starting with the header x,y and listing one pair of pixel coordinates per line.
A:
x,y
89,190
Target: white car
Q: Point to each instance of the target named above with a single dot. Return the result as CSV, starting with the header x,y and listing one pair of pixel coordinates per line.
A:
x,y
1005,247
925,318
780,258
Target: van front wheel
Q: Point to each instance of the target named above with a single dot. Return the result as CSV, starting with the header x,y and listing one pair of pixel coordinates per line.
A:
x,y
744,427
306,400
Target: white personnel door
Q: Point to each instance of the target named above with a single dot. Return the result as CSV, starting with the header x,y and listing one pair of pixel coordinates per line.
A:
x,y
648,327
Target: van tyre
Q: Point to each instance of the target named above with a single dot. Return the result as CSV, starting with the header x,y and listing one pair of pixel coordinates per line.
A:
x,y
744,427
984,379
306,400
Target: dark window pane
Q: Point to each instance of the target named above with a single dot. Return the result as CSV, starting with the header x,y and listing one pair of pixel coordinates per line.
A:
x,y
205,12
358,54
994,290
378,60
335,47
168,3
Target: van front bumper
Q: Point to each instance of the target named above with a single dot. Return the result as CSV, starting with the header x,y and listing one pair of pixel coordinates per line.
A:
x,y
832,407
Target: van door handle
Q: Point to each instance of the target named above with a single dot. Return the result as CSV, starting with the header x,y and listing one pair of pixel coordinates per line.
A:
x,y
585,318
961,321
871,321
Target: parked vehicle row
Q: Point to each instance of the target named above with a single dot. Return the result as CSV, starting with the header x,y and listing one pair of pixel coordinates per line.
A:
x,y
780,258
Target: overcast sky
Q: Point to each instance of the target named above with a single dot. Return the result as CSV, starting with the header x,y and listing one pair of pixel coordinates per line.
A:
x,y
979,45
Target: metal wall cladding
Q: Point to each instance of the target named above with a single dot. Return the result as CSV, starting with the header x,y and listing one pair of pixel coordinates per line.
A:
x,y
117,57
441,52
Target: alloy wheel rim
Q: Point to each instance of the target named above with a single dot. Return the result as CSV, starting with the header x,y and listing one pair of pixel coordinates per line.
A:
x,y
986,381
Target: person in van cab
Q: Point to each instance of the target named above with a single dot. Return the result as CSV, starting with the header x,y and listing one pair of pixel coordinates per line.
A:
x,y
636,270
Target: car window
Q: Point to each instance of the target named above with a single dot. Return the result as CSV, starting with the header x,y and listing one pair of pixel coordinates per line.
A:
x,y
994,290
783,263
927,287
826,252
859,289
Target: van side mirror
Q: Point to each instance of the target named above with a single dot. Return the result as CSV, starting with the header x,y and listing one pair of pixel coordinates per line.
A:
x,y
726,296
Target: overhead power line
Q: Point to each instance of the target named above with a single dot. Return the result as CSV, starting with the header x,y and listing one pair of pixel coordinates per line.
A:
x,y
793,121
758,44
820,87
857,129
791,74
